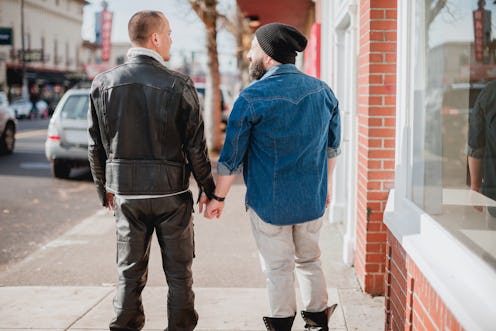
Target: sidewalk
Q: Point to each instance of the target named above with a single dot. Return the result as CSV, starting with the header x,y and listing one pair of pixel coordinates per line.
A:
x,y
69,283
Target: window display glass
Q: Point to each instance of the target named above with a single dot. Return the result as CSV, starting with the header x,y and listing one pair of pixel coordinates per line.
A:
x,y
453,173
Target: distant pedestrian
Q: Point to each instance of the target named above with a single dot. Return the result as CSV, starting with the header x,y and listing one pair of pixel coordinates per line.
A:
x,y
284,134
146,136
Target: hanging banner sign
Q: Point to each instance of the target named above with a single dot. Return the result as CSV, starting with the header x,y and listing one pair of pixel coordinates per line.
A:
x,y
482,32
106,34
479,34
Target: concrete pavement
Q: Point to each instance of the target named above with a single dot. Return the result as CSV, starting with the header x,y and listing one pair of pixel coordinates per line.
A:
x,y
69,283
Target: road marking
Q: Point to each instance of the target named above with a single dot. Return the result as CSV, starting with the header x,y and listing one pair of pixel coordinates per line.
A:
x,y
63,242
29,134
34,165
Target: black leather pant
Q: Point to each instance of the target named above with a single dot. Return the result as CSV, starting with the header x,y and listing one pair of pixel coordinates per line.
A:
x,y
136,220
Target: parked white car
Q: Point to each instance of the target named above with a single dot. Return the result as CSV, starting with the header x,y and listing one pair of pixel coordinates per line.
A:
x,y
225,102
22,107
8,126
66,146
41,109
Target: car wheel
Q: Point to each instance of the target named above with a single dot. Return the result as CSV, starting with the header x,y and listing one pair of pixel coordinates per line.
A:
x,y
7,140
60,168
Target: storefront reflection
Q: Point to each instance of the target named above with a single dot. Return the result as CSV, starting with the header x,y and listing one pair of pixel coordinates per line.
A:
x,y
460,120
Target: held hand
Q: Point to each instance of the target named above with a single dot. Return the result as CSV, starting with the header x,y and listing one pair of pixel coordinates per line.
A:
x,y
329,195
328,200
214,209
110,201
477,189
202,202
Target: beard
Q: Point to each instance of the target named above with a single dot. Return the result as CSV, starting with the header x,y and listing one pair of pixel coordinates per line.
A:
x,y
256,69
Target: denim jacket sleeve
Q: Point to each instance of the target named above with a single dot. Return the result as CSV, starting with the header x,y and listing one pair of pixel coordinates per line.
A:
x,y
334,139
237,137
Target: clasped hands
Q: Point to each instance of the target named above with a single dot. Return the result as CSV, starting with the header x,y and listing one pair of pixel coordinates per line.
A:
x,y
213,208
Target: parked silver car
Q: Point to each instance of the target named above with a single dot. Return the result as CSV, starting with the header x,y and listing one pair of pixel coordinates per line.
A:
x,y
66,146
8,126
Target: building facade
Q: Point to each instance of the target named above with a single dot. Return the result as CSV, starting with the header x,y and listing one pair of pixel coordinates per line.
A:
x,y
418,228
52,42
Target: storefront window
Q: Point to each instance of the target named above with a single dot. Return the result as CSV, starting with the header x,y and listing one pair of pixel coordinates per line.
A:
x,y
453,176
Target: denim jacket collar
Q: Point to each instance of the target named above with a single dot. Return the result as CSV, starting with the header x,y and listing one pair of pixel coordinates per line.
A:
x,y
280,69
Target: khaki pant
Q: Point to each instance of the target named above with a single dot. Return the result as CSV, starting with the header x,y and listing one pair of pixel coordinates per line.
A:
x,y
284,249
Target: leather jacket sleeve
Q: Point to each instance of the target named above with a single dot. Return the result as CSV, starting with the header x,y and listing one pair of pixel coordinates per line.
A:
x,y
195,145
96,152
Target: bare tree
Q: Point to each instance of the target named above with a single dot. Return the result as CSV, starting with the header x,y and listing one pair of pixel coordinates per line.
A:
x,y
207,12
433,7
239,28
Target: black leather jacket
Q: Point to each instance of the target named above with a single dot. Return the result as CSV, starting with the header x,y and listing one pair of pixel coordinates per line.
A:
x,y
146,133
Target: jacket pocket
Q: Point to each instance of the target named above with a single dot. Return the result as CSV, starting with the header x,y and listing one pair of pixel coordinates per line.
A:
x,y
267,229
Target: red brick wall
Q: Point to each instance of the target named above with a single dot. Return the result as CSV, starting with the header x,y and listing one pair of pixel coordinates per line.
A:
x,y
376,137
411,302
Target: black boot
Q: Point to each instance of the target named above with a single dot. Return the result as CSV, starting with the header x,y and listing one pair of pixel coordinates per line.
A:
x,y
278,323
318,321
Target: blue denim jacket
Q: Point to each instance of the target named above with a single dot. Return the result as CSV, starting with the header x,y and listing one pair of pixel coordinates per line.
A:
x,y
280,133
482,137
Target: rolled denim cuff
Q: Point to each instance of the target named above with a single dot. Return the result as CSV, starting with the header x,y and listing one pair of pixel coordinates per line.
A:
x,y
477,153
333,152
224,170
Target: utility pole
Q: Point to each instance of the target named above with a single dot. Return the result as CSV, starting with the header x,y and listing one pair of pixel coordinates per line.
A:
x,y
24,90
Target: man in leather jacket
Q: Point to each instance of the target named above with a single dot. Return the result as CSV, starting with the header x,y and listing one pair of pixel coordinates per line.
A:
x,y
146,137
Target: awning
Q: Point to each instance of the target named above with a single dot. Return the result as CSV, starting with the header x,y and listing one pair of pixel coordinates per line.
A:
x,y
293,12
42,76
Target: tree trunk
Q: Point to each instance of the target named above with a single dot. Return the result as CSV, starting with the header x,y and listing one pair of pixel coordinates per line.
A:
x,y
243,37
212,90
207,11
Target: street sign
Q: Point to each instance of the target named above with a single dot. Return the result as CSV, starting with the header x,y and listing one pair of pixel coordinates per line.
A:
x,y
32,55
5,36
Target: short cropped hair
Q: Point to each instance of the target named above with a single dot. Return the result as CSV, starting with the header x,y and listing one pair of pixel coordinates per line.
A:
x,y
142,24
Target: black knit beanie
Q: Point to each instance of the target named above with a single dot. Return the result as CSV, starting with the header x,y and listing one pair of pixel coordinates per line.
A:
x,y
281,41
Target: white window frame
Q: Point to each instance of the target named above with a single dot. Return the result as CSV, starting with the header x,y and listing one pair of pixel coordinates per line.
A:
x,y
464,282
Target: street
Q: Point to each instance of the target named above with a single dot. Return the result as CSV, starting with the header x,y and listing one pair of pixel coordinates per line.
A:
x,y
34,206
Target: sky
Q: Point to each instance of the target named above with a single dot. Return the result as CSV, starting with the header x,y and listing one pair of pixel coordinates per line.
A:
x,y
188,33
455,22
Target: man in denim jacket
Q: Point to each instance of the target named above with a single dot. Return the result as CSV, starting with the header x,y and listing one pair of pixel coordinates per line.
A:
x,y
284,134
481,146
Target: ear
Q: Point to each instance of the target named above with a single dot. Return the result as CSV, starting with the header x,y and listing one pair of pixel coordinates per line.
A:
x,y
267,61
154,39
